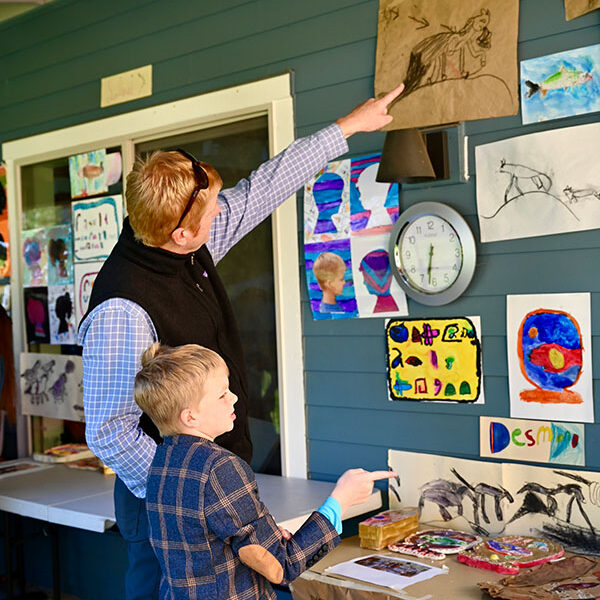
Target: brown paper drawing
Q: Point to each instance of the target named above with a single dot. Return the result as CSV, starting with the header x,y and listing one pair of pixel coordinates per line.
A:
x,y
458,60
576,8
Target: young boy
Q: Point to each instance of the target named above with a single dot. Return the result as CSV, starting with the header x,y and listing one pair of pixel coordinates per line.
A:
x,y
329,269
212,535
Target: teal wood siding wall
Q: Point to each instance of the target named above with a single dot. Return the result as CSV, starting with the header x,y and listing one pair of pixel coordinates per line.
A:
x,y
52,60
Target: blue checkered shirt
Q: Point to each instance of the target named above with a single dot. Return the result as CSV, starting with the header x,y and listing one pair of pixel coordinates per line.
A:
x,y
116,332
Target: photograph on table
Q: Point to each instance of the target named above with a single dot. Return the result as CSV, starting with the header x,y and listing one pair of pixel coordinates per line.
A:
x,y
4,235
60,255
327,204
552,173
494,498
576,8
378,294
87,174
35,257
549,345
434,359
458,60
96,227
373,205
61,309
37,322
85,275
560,85
51,386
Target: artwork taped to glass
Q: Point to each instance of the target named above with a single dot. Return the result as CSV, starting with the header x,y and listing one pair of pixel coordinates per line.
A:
x,y
549,346
457,60
576,8
348,217
35,257
85,275
87,173
533,441
4,235
37,323
493,498
434,359
114,168
560,85
60,255
51,386
96,227
552,173
61,309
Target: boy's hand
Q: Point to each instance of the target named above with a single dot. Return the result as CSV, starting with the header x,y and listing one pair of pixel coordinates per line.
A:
x,y
356,485
285,533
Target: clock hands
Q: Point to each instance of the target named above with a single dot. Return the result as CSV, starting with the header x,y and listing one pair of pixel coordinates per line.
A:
x,y
429,266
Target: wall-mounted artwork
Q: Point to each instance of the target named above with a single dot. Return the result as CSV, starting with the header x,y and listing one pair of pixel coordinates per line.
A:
x,y
457,60
434,359
4,236
61,309
552,173
493,498
87,173
560,85
37,323
533,441
327,204
51,386
85,275
374,206
114,168
35,257
549,345
96,227
60,255
576,8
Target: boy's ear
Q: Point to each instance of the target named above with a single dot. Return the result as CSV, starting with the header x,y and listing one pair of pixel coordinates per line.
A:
x,y
186,417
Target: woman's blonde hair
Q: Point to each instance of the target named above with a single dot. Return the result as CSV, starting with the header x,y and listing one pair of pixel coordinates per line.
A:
x,y
170,379
158,188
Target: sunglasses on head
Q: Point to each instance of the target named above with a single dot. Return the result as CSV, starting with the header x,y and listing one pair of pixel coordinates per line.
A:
x,y
201,184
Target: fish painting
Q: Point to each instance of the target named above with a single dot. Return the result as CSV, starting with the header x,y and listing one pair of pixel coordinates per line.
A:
x,y
563,79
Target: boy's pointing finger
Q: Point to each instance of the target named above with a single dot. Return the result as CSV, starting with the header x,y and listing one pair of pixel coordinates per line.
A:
x,y
376,475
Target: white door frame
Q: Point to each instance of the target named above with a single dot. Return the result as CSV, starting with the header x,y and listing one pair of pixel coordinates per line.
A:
x,y
271,97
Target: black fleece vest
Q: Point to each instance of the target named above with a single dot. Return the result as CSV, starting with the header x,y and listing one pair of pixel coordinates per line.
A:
x,y
187,302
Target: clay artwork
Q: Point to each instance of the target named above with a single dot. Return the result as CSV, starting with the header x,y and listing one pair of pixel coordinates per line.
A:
x,y
387,527
435,544
508,554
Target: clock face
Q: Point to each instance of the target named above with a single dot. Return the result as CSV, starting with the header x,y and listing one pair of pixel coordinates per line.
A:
x,y
429,254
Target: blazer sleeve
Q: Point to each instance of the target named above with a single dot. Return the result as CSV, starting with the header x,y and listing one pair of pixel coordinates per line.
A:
x,y
235,513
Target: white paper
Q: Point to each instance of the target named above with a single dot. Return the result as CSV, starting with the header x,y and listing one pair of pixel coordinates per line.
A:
x,y
85,275
61,313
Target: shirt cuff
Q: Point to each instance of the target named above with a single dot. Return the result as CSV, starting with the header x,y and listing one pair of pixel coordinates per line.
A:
x,y
332,511
333,140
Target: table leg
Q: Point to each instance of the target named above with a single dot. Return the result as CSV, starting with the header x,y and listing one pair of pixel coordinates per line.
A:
x,y
8,557
56,595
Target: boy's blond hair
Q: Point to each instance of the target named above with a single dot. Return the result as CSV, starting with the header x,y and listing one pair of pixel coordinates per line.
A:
x,y
170,380
158,189
327,265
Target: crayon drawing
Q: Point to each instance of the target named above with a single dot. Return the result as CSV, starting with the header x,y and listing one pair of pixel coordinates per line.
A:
x,y
373,206
85,275
87,173
551,173
329,280
4,237
549,357
37,324
96,227
560,85
493,498
35,258
576,8
61,309
51,386
434,359
327,204
60,255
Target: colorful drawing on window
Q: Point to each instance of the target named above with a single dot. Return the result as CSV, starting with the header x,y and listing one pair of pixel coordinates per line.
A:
x,y
373,205
35,258
96,227
553,173
434,359
327,204
51,386
61,309
114,168
549,356
60,255
4,236
533,441
576,8
560,85
37,323
85,275
87,173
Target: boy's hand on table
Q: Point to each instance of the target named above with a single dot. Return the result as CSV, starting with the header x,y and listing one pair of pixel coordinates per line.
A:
x,y
356,485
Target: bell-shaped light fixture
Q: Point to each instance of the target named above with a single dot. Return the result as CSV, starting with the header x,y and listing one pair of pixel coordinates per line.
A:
x,y
404,158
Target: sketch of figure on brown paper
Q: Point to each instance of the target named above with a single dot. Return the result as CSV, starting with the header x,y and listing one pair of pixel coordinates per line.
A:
x,y
457,60
576,8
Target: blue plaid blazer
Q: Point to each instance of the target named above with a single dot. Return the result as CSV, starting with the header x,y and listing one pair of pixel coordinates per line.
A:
x,y
213,536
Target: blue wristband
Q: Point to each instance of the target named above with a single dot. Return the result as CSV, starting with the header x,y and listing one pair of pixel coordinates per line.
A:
x,y
332,511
